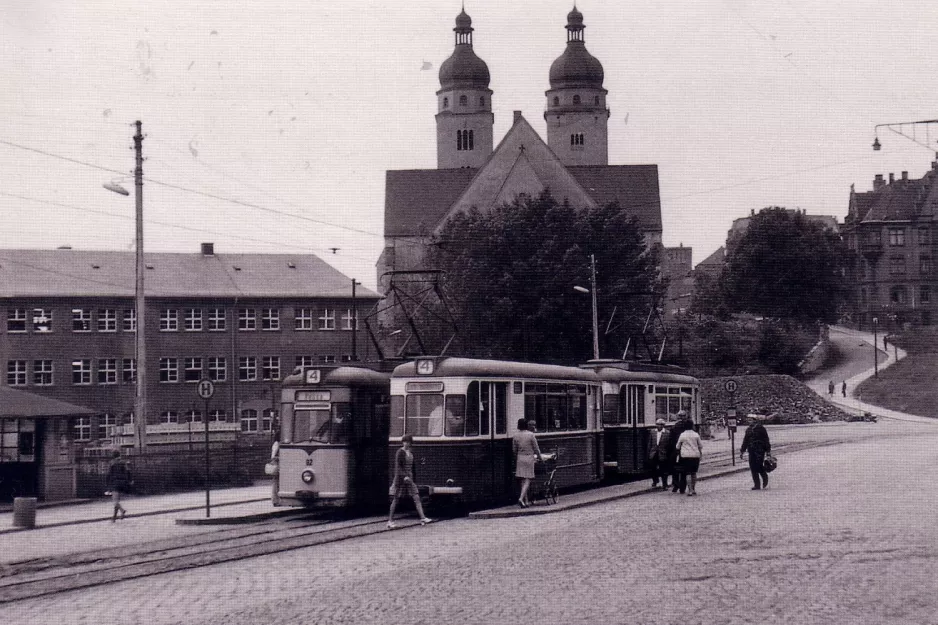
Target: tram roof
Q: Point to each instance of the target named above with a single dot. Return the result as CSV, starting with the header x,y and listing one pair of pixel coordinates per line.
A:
x,y
341,376
628,372
477,367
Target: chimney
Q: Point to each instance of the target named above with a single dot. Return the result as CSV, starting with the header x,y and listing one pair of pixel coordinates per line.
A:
x,y
892,177
517,117
208,249
752,212
878,181
905,175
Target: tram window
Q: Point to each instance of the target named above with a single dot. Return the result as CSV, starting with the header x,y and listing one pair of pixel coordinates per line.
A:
x,y
556,413
472,409
610,409
501,408
455,415
535,407
341,423
424,415
397,415
311,425
577,406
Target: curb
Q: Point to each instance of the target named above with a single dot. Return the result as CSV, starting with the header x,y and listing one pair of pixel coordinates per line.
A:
x,y
239,520
505,513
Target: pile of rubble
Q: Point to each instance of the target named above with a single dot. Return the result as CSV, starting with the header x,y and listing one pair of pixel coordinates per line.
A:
x,y
768,398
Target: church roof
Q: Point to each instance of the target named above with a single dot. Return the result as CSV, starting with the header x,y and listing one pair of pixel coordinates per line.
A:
x,y
416,201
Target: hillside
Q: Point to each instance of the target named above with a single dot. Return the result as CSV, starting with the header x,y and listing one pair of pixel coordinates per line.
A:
x,y
780,398
909,385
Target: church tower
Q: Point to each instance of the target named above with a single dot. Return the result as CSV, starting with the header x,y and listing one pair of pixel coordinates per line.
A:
x,y
576,115
464,121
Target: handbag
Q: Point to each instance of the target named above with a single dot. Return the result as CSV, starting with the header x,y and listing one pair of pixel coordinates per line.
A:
x,y
769,464
272,468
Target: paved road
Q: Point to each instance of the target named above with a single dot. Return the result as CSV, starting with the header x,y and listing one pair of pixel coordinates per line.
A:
x,y
844,534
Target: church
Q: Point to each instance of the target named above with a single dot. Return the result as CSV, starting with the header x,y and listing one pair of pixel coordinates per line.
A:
x,y
573,163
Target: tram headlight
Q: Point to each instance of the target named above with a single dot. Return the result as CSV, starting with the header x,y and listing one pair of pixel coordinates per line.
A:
x,y
308,476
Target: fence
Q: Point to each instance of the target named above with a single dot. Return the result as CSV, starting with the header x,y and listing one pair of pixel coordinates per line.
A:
x,y
174,468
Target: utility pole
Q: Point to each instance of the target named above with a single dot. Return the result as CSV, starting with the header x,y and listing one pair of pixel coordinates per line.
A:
x,y
140,403
595,307
354,322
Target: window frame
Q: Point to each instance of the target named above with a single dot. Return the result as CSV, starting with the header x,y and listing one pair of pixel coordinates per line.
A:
x,y
16,316
107,320
81,320
247,369
40,372
82,373
169,370
192,319
247,320
107,371
270,319
38,327
303,320
17,372
169,320
217,320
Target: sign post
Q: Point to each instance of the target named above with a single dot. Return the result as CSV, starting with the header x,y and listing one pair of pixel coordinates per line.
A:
x,y
731,386
206,389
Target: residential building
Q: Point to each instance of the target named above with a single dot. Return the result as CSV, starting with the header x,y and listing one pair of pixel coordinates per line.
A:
x,y
894,237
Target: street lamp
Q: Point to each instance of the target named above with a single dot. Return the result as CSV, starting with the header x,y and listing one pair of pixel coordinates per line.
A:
x,y
592,291
875,350
140,399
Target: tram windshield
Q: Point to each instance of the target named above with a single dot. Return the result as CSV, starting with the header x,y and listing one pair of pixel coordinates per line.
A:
x,y
323,426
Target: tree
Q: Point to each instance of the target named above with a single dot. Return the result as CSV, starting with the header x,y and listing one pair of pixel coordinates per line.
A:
x,y
509,274
786,266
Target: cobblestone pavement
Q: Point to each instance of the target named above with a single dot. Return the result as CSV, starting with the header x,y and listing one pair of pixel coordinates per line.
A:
x,y
844,534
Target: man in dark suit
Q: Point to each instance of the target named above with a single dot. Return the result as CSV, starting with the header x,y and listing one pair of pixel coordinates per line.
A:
x,y
658,460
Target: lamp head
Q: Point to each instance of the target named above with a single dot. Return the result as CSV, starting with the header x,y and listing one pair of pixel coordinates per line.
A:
x,y
581,289
116,188
876,144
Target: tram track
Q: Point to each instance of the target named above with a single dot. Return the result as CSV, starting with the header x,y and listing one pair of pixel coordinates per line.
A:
x,y
47,576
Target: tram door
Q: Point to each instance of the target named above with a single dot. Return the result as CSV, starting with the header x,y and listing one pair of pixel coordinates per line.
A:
x,y
632,402
495,466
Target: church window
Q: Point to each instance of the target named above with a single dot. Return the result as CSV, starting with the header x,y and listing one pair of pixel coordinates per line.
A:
x,y
596,100
446,103
464,140
576,99
463,100
556,101
577,140
481,101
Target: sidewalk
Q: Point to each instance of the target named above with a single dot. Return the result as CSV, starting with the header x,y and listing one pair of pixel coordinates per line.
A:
x,y
853,404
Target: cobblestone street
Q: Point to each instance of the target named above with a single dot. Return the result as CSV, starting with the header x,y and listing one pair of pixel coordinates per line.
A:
x,y
844,534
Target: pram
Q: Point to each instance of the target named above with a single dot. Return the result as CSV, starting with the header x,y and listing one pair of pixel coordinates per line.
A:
x,y
544,484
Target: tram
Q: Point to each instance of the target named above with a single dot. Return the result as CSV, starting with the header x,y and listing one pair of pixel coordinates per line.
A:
x,y
635,395
462,413
334,438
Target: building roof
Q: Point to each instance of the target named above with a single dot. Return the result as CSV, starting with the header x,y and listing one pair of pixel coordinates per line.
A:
x,y
900,200
87,273
417,201
717,258
15,403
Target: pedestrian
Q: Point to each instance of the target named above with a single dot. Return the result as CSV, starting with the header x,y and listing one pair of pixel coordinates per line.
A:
x,y
524,446
273,467
885,344
119,481
403,482
676,430
690,450
658,455
756,442
830,387
843,388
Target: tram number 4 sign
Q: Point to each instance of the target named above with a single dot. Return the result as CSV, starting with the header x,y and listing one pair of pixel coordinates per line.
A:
x,y
730,386
206,389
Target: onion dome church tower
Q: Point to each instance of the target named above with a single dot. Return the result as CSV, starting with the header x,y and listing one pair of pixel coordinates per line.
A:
x,y
576,115
465,120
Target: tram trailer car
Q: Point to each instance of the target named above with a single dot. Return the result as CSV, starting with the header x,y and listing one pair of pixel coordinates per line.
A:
x,y
463,412
635,396
334,438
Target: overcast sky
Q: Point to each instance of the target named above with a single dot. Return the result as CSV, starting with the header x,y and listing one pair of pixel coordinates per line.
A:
x,y
290,112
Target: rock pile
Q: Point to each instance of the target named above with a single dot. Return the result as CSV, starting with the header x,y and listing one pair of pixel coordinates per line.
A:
x,y
769,398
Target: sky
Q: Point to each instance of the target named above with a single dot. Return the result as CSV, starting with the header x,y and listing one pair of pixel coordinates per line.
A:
x,y
269,124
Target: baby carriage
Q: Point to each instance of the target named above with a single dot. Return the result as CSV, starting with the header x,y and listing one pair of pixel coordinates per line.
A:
x,y
544,484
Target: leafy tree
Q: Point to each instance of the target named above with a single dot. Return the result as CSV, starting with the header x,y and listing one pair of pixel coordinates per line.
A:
x,y
786,266
510,272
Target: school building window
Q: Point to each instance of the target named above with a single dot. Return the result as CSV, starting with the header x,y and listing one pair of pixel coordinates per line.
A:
x,y
169,370
16,373
247,368
42,320
347,319
107,371
16,320
81,371
106,424
270,319
218,416
129,369
192,318
247,319
304,361
169,416
270,367
192,369
327,319
107,320
216,320
303,320
82,428
42,372
217,368
268,419
327,359
249,420
169,320
129,323
81,320
193,416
